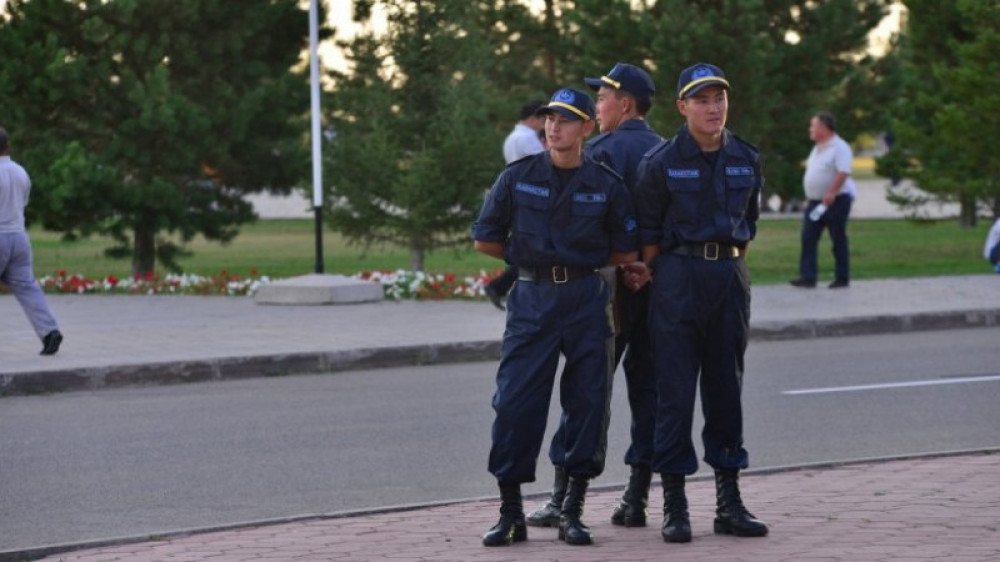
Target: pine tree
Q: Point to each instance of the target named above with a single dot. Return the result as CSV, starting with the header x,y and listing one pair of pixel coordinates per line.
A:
x,y
947,122
416,125
148,120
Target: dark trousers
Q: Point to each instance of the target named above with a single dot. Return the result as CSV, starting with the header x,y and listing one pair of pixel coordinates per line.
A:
x,y
544,320
699,317
834,220
633,343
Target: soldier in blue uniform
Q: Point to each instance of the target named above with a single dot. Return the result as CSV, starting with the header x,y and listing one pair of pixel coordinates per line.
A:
x,y
558,216
624,97
698,200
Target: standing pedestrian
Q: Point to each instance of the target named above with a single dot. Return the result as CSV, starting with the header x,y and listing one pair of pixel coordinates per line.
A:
x,y
557,216
624,97
698,204
830,192
526,139
15,250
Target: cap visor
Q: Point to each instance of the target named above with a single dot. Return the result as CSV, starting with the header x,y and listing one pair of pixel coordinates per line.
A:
x,y
704,85
594,83
561,111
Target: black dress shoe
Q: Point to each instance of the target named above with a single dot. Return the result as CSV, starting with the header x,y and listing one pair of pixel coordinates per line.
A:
x,y
50,343
840,284
803,283
494,297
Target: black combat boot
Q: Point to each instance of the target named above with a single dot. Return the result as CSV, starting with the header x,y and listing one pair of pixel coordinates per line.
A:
x,y
676,522
571,529
631,511
510,529
731,518
548,515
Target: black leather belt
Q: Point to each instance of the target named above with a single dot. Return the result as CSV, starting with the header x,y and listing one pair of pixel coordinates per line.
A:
x,y
554,274
710,251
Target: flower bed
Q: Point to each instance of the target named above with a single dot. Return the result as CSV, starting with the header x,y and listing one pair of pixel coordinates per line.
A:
x,y
398,285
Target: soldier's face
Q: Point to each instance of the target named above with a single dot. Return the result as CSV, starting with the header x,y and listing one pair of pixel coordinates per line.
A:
x,y
706,111
610,108
563,133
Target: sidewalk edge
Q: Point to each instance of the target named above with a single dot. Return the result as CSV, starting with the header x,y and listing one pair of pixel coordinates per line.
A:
x,y
276,365
35,553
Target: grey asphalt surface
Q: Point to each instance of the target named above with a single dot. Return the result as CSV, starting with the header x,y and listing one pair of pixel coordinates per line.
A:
x,y
933,508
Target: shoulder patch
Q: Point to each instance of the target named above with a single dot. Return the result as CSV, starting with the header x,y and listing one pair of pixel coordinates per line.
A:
x,y
609,169
598,139
521,159
660,147
744,143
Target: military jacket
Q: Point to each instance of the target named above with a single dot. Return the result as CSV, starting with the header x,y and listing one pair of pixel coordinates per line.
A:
x,y
681,198
541,225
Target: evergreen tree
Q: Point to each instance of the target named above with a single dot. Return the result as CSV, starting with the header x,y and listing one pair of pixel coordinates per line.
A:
x,y
417,125
148,120
946,123
785,59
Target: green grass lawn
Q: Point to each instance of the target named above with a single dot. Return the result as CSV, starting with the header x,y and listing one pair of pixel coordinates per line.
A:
x,y
284,248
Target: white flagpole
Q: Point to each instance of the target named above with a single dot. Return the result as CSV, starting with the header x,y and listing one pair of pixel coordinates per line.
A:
x,y
316,138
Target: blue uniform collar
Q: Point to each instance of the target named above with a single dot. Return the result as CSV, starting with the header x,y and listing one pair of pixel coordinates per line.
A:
x,y
689,148
634,124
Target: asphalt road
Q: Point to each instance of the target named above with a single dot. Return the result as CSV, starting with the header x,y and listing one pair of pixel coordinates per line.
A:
x,y
91,465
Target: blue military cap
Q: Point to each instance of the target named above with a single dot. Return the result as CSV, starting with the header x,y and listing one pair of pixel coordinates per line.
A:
x,y
570,103
628,78
698,76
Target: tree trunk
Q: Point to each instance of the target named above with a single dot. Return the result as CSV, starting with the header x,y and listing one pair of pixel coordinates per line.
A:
x,y
417,259
550,28
144,252
967,212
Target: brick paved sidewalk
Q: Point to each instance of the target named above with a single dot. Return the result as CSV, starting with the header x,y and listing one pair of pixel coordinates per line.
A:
x,y
922,509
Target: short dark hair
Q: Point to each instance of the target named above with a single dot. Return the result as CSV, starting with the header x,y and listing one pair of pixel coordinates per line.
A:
x,y
642,103
529,109
827,119
4,141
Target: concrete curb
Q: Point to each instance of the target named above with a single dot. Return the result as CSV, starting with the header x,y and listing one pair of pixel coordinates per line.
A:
x,y
275,365
35,553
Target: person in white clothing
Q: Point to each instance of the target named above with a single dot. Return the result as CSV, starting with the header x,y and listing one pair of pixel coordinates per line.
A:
x,y
15,250
524,139
991,251
830,191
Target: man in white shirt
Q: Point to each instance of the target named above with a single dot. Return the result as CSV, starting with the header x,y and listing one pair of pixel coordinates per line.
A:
x,y
525,139
830,191
15,250
991,251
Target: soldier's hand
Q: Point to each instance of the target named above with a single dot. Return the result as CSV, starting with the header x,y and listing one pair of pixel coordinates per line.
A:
x,y
635,275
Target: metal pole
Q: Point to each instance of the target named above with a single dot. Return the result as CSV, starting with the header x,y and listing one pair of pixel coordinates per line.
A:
x,y
316,139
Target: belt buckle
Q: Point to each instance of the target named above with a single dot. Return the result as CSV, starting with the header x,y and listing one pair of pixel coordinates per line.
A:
x,y
555,275
715,255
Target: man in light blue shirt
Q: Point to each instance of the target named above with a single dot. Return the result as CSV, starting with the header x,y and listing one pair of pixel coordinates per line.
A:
x,y
15,250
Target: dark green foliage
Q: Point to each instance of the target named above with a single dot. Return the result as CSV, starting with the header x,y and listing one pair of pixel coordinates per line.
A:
x,y
145,118
417,125
785,59
948,120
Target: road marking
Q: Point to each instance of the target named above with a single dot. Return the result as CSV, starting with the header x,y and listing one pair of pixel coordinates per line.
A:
x,y
908,384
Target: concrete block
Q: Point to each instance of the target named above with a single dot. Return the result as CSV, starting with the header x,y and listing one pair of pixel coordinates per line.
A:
x,y
319,289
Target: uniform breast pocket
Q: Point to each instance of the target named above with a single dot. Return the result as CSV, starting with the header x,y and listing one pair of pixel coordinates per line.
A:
x,y
531,210
587,227
685,197
738,190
